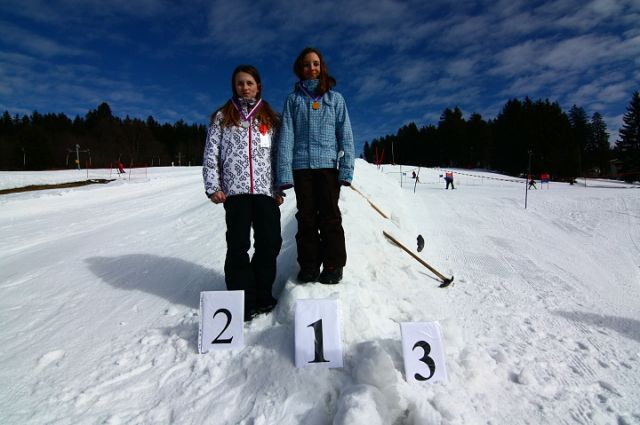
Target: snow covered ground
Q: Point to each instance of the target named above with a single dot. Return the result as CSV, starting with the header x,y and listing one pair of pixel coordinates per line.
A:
x,y
99,292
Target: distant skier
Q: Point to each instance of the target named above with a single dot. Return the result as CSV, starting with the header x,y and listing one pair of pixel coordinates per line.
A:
x,y
532,183
420,243
120,166
448,177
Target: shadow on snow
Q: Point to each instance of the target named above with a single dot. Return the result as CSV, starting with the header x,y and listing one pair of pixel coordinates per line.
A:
x,y
629,328
176,280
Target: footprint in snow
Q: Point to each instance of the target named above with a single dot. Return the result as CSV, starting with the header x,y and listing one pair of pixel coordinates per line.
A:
x,y
52,357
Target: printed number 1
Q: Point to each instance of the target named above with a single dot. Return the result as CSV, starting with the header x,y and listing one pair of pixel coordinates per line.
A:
x,y
318,342
227,340
426,360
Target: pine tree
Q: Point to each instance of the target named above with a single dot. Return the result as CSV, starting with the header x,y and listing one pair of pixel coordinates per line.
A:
x,y
478,142
452,136
366,152
580,130
8,142
597,150
511,137
407,145
628,145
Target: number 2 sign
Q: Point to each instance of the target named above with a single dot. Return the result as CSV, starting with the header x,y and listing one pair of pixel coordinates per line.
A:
x,y
221,320
317,334
422,352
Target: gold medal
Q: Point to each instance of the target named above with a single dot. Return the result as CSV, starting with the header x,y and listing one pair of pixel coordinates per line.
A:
x,y
315,105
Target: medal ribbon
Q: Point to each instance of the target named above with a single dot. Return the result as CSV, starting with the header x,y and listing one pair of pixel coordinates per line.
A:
x,y
247,117
314,98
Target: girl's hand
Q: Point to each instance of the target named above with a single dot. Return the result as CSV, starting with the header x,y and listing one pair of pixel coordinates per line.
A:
x,y
218,197
279,200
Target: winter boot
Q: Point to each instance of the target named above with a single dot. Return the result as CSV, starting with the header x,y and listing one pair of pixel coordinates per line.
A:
x,y
330,275
308,275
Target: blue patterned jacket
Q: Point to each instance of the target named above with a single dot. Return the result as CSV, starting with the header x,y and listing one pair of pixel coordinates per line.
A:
x,y
312,138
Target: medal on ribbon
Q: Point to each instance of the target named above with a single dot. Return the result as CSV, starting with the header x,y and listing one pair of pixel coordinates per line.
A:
x,y
246,118
315,104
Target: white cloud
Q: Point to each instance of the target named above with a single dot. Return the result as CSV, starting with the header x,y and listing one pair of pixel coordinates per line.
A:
x,y
63,12
615,92
372,85
606,8
34,43
518,59
413,72
598,94
469,29
579,52
461,67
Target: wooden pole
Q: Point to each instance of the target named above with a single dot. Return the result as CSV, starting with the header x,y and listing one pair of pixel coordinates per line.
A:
x,y
445,281
374,206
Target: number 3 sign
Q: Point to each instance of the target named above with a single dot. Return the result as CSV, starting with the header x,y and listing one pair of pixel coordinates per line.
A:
x,y
422,351
221,320
317,334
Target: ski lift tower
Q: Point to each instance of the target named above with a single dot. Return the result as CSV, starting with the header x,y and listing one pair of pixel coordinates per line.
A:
x,y
77,150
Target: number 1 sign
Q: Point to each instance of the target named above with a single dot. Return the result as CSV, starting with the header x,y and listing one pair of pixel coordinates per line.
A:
x,y
221,320
422,352
317,333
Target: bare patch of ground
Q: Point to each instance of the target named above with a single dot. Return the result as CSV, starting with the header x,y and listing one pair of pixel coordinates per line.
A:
x,y
54,186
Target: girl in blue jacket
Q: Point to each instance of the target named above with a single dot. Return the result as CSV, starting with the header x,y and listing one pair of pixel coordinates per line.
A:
x,y
315,157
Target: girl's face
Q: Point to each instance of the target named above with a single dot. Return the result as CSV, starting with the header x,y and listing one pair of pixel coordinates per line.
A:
x,y
246,85
311,66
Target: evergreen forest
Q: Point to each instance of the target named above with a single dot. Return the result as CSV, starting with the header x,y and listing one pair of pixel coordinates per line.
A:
x,y
526,133
53,141
535,135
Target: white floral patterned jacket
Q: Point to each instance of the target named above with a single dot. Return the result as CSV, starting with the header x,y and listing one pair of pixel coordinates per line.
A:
x,y
238,160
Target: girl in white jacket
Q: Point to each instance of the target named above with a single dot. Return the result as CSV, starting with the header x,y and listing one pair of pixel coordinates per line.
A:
x,y
237,171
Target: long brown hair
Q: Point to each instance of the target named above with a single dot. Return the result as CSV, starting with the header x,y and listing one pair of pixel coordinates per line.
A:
x,y
231,116
327,82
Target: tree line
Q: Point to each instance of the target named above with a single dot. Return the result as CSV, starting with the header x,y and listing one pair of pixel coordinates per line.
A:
x,y
54,141
540,133
566,145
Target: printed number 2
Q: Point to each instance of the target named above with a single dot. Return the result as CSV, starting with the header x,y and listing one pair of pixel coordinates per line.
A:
x,y
227,340
318,342
426,360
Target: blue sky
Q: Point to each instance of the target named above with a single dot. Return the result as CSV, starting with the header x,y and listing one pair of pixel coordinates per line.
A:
x,y
395,61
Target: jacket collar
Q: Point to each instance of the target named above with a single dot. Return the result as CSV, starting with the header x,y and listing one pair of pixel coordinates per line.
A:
x,y
246,103
310,85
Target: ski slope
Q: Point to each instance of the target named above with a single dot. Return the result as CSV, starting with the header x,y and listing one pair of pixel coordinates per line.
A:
x,y
99,293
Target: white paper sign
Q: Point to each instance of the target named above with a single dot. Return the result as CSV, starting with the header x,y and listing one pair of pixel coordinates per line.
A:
x,y
265,140
423,352
317,334
221,320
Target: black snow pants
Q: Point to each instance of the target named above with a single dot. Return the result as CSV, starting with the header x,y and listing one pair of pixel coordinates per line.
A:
x,y
320,238
256,275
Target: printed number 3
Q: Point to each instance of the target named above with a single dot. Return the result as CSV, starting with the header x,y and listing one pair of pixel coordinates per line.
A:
x,y
426,360
227,340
